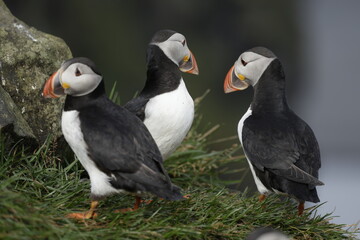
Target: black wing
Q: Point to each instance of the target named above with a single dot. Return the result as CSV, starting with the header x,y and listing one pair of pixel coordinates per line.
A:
x,y
284,145
137,106
121,146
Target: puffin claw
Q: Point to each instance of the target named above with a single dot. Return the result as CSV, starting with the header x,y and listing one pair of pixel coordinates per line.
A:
x,y
82,216
187,196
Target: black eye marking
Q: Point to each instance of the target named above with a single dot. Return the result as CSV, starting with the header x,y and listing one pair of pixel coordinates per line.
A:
x,y
77,72
243,62
183,42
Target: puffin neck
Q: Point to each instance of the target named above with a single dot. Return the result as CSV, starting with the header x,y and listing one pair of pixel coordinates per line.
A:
x,y
163,75
77,102
269,92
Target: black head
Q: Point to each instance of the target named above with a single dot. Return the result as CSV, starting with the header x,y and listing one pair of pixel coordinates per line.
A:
x,y
162,35
248,69
262,51
174,46
83,60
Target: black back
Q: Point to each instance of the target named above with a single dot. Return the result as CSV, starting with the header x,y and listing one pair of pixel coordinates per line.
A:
x,y
281,146
121,146
163,75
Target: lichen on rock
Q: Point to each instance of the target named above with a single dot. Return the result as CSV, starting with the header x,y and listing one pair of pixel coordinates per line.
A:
x,y
27,58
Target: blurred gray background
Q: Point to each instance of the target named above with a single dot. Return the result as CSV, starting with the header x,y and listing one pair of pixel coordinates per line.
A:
x,y
316,40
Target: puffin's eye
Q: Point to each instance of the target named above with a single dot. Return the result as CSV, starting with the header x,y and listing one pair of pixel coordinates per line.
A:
x,y
243,62
77,72
183,42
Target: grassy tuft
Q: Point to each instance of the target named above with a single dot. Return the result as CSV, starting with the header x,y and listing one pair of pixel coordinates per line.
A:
x,y
38,188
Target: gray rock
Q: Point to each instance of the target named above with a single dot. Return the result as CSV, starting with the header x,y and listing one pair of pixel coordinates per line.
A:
x,y
27,58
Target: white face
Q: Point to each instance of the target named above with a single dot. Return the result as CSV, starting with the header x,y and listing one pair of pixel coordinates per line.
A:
x,y
251,66
79,79
175,48
273,236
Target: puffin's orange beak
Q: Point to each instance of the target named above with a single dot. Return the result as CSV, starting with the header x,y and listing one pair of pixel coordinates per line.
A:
x,y
52,87
233,83
189,65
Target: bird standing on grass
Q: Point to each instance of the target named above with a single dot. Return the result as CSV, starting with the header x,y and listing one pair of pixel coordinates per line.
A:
x,y
112,144
164,104
280,147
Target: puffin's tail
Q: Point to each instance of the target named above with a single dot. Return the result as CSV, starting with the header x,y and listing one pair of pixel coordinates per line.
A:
x,y
146,180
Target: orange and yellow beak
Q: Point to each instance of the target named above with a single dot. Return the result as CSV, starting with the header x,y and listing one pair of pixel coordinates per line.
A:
x,y
52,87
234,82
189,65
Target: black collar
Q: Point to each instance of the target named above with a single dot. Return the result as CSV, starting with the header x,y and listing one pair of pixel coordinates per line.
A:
x,y
76,103
163,75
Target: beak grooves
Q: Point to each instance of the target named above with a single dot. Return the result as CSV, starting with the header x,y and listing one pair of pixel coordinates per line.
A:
x,y
227,83
189,65
234,82
52,87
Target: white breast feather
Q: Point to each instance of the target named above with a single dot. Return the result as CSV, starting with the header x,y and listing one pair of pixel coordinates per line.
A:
x,y
260,186
168,117
70,125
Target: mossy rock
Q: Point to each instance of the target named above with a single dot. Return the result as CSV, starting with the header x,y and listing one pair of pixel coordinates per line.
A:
x,y
27,58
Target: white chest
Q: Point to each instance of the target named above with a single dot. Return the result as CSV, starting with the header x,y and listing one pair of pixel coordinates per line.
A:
x,y
70,125
169,117
260,186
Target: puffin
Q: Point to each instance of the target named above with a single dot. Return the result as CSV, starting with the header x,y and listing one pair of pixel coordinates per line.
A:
x,y
267,233
164,104
280,147
112,144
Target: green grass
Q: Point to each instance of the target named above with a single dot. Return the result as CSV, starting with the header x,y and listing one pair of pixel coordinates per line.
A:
x,y
39,187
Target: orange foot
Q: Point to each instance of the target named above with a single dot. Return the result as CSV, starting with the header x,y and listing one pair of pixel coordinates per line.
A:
x,y
187,196
136,206
262,197
146,201
83,215
124,210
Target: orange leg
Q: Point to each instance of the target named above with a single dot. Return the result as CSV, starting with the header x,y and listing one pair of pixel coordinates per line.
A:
x,y
301,208
85,215
137,203
136,206
262,197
